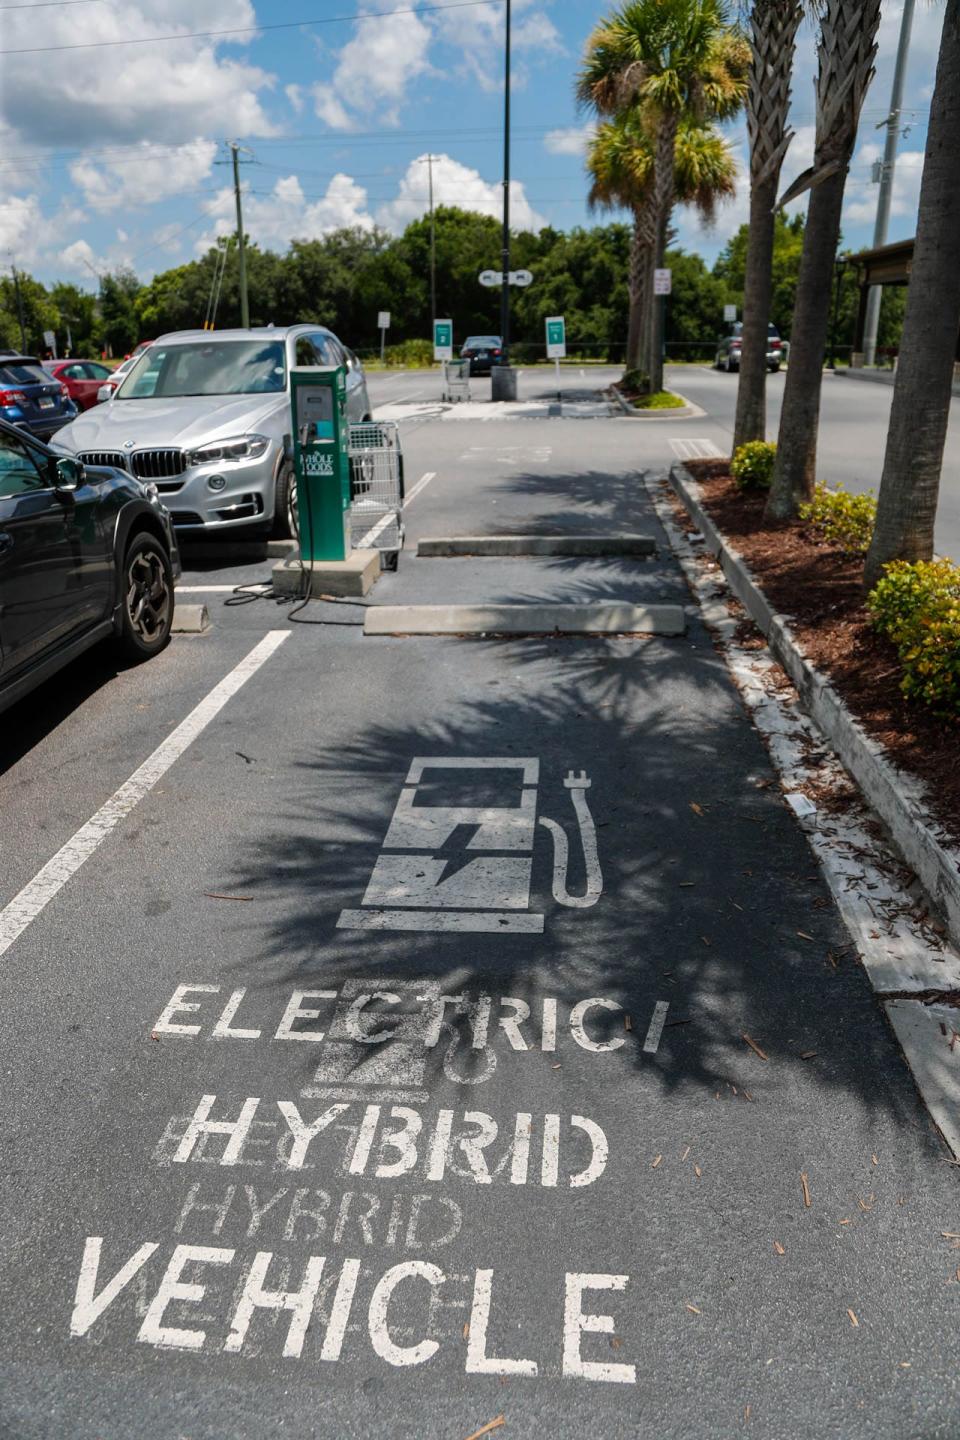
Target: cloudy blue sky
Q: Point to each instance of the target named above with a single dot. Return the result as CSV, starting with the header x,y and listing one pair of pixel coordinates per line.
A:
x,y
109,151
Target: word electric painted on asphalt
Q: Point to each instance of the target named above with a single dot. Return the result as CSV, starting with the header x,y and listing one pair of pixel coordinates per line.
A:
x,y
302,1217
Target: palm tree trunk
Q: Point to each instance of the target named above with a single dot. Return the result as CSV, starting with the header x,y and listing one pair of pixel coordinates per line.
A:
x,y
751,420
794,474
636,284
909,489
773,36
663,183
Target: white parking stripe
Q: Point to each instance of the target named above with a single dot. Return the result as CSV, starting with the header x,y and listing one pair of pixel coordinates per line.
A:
x,y
687,448
205,589
24,908
652,1043
370,538
421,484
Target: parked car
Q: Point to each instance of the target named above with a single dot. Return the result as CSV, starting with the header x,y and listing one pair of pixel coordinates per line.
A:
x,y
729,346
483,352
87,553
206,417
115,378
32,399
83,379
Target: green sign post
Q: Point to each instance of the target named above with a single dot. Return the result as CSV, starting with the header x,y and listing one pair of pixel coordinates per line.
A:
x,y
322,461
443,339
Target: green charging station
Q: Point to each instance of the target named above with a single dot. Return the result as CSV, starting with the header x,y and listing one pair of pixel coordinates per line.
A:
x,y
321,460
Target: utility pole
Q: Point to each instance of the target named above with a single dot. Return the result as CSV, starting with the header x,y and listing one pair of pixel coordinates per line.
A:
x,y
23,328
503,380
244,300
433,248
892,123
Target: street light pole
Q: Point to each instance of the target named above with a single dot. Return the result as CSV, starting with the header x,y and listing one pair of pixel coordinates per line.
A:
x,y
872,323
433,248
23,328
503,379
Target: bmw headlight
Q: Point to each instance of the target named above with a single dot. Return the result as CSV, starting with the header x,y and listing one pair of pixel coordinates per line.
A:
x,y
238,447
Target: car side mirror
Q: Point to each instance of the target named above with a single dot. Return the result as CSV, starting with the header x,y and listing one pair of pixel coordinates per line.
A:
x,y
67,474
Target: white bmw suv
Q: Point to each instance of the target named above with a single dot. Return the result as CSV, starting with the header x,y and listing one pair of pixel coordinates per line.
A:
x,y
205,417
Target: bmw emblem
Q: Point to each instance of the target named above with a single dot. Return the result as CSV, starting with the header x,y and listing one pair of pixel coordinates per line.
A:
x,y
128,444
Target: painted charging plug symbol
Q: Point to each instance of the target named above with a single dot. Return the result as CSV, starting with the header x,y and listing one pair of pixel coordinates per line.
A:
x,y
429,876
577,785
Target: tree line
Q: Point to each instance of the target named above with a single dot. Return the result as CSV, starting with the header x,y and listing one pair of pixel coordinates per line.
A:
x,y
346,278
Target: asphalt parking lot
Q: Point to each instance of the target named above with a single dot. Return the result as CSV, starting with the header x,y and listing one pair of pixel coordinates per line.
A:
x,y
345,1096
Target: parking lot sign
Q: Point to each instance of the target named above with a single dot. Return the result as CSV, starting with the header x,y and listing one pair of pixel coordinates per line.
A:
x,y
443,339
556,337
662,282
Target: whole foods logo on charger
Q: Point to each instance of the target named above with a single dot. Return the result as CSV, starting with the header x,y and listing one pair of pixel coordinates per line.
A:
x,y
323,1221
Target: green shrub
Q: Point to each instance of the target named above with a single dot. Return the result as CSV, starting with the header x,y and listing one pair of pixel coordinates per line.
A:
x,y
409,354
662,400
752,465
845,519
917,606
634,382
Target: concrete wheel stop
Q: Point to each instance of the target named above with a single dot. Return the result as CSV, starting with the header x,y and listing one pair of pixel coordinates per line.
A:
x,y
189,619
438,547
527,620
355,575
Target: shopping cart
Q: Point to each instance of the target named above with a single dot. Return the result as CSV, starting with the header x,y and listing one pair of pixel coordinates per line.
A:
x,y
456,380
376,489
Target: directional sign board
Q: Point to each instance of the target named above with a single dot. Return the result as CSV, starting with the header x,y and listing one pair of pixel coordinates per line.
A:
x,y
729,313
556,337
662,282
443,339
520,277
490,277
383,320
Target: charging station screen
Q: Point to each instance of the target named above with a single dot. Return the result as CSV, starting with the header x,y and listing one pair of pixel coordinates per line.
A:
x,y
315,413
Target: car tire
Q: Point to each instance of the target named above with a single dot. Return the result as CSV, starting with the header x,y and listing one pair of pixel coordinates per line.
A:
x,y
731,368
773,369
146,598
285,503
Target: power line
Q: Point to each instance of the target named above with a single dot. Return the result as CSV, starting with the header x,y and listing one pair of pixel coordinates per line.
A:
x,y
51,4
250,29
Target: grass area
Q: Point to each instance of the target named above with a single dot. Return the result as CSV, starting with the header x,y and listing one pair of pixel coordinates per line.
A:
x,y
662,400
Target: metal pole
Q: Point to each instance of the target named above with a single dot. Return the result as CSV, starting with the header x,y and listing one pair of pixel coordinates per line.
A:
x,y
505,261
433,249
885,194
244,301
23,329
383,342
838,271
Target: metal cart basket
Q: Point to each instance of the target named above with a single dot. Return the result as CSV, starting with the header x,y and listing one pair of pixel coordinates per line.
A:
x,y
376,489
456,380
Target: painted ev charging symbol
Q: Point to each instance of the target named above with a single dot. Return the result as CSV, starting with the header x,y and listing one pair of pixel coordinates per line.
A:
x,y
416,882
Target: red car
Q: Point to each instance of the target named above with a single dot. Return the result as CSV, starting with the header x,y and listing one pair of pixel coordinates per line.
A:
x,y
82,378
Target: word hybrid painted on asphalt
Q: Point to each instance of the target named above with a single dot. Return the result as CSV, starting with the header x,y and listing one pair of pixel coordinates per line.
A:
x,y
365,1205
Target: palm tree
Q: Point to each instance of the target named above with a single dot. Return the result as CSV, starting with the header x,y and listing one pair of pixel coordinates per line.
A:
x,y
773,35
907,505
667,59
846,49
620,163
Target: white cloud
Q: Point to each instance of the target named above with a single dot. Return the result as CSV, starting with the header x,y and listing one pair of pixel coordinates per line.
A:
x,y
143,178
166,93
374,70
571,141
21,226
294,94
455,184
477,33
286,214
80,258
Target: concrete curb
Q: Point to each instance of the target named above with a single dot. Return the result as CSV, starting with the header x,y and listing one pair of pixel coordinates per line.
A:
x,y
236,549
354,576
687,411
544,619
897,798
445,547
190,619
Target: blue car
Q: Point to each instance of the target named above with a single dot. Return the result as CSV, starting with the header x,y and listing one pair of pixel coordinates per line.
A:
x,y
31,399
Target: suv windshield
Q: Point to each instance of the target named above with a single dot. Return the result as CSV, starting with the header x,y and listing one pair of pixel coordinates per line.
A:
x,y
23,372
207,367
493,340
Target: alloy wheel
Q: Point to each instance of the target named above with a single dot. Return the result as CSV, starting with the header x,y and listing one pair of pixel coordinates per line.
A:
x,y
148,596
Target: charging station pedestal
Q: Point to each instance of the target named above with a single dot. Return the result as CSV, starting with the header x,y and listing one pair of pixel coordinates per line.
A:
x,y
321,460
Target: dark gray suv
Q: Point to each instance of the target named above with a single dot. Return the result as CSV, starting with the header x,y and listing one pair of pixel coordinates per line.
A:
x,y
86,554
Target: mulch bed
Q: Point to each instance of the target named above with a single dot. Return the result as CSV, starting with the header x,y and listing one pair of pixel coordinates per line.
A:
x,y
821,591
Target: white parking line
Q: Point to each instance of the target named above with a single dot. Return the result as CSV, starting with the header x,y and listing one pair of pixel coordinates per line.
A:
x,y
652,1043
421,484
24,908
687,448
368,540
203,589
